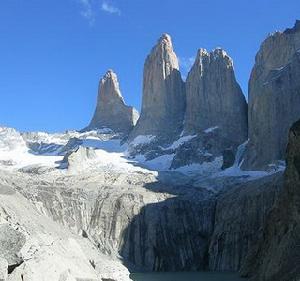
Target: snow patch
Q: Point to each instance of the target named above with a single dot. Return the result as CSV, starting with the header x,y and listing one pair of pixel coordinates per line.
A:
x,y
235,171
161,163
142,139
180,142
204,169
211,129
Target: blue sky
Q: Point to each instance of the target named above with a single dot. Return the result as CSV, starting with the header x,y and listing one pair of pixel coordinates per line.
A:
x,y
53,52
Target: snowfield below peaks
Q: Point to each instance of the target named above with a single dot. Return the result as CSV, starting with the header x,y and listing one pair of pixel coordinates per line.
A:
x,y
40,152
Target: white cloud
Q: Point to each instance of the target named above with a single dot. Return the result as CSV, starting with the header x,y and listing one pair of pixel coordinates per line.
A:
x,y
186,64
87,11
109,8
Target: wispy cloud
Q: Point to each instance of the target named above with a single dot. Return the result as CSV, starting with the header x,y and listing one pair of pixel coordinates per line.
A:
x,y
109,8
87,11
186,64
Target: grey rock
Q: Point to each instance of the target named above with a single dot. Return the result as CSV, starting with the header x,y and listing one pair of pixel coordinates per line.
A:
x,y
31,241
152,224
214,98
72,145
3,269
163,103
274,98
241,212
204,147
74,160
228,158
111,111
43,148
11,242
276,255
149,228
167,236
162,221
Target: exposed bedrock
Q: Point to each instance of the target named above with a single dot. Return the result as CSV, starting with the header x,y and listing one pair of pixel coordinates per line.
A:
x,y
35,248
214,98
156,226
163,101
277,255
111,111
168,236
274,97
150,228
213,120
241,213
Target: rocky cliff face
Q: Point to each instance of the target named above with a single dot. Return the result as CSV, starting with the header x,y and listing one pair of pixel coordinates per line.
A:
x,y
34,247
151,225
214,98
216,109
163,101
241,212
111,111
274,96
162,221
276,257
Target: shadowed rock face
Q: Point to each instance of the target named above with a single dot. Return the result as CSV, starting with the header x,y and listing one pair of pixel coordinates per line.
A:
x,y
111,111
167,236
214,98
274,97
277,255
241,212
163,103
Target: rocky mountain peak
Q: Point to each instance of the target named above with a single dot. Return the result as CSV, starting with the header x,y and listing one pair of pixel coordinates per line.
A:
x,y
217,55
163,102
111,110
110,74
273,97
214,98
163,54
295,28
165,39
109,85
220,54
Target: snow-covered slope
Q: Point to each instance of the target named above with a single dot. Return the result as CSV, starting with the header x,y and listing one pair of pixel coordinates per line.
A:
x,y
41,152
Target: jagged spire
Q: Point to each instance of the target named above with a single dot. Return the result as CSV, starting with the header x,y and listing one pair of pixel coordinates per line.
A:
x,y
111,110
214,98
163,101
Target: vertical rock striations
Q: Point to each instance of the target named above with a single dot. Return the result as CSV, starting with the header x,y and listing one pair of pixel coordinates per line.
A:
x,y
111,111
214,98
241,212
274,97
277,255
163,103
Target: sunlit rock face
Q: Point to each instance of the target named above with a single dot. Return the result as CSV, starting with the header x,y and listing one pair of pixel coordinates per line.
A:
x,y
214,98
163,101
276,255
34,247
274,97
111,111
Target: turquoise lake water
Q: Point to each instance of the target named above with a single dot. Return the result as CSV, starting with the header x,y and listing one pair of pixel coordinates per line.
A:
x,y
185,276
